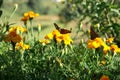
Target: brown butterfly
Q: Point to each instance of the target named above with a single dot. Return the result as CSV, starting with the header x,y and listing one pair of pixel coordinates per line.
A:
x,y
93,34
62,31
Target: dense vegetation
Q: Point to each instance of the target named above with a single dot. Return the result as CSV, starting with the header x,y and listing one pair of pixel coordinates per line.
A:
x,y
56,57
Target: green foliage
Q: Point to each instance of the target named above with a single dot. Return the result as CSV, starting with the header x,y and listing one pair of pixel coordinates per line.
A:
x,y
40,62
41,6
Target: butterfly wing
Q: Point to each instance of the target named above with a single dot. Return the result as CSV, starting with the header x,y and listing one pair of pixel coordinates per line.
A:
x,y
93,34
62,31
57,27
65,31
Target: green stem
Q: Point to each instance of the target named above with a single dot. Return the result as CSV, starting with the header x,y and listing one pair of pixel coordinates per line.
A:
x,y
112,2
15,9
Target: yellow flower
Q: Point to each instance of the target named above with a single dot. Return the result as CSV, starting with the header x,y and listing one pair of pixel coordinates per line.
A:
x,y
67,40
44,41
102,62
93,44
99,40
21,45
26,47
106,48
49,36
26,15
56,33
18,28
63,37
29,16
115,48
22,29
96,43
110,40
58,37
104,77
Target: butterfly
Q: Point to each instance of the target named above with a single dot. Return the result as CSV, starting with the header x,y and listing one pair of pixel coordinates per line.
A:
x,y
93,34
61,30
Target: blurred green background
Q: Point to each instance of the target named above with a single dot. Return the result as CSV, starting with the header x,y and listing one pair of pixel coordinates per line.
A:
x,y
67,14
46,7
49,11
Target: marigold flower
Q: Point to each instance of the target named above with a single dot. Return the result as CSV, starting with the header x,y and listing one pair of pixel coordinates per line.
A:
x,y
115,48
44,41
96,43
56,33
63,37
93,44
17,28
67,40
110,40
106,48
99,40
29,16
22,46
58,37
49,36
104,77
24,19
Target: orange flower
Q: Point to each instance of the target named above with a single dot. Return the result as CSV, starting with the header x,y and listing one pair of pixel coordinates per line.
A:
x,y
104,77
24,19
115,48
22,46
110,40
29,16
93,44
96,43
